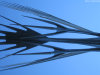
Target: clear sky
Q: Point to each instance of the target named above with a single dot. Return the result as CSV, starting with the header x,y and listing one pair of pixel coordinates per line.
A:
x,y
80,12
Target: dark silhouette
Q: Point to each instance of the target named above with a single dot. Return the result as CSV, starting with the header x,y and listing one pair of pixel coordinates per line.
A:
x,y
31,38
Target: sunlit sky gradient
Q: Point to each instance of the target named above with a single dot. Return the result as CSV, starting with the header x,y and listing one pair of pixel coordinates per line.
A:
x,y
79,12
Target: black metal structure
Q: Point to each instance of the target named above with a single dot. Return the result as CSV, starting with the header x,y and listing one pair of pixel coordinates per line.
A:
x,y
29,38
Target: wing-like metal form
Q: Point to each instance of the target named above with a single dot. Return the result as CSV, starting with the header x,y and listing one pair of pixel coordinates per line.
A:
x,y
18,38
29,38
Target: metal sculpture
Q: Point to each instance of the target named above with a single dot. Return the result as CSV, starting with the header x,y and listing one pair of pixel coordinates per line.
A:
x,y
29,38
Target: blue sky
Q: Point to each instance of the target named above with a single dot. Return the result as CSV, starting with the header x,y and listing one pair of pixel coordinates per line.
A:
x,y
79,12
